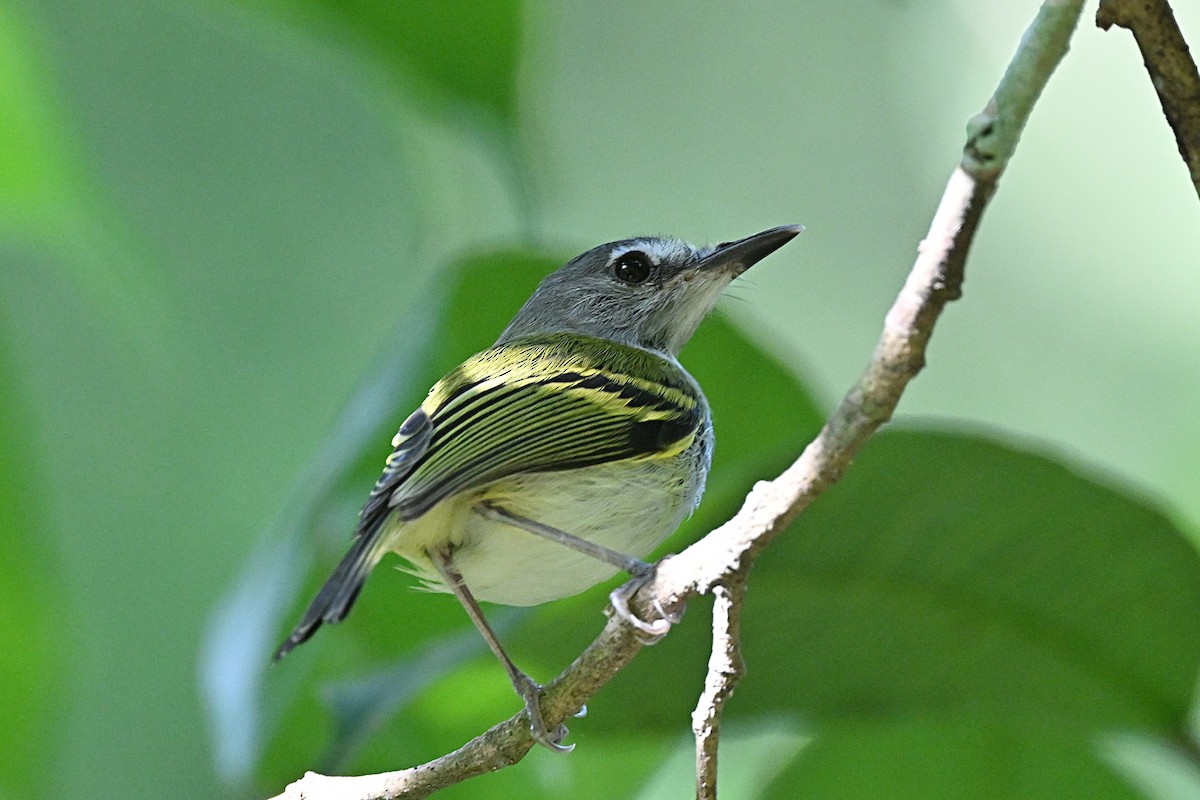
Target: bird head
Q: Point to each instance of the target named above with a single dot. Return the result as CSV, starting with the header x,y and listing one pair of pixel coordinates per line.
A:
x,y
649,292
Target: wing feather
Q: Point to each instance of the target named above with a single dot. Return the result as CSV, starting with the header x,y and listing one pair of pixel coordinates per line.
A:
x,y
540,403
408,446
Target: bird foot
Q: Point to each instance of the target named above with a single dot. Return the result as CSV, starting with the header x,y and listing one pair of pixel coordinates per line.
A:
x,y
530,692
647,632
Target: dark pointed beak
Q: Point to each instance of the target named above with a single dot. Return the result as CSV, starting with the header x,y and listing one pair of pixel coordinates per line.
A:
x,y
737,257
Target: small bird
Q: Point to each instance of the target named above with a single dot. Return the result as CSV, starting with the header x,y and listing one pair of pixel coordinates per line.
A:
x,y
563,453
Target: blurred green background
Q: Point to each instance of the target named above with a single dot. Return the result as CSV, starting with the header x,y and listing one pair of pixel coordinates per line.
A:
x,y
238,240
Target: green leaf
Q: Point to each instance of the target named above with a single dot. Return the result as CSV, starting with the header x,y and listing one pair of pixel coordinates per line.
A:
x,y
36,180
32,668
458,52
49,202
249,620
948,570
967,755
946,579
763,415
361,706
963,620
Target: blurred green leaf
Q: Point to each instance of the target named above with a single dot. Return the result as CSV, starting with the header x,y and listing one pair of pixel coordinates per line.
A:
x,y
35,179
965,755
963,619
1160,770
763,415
948,570
459,52
604,768
32,670
361,705
49,201
249,620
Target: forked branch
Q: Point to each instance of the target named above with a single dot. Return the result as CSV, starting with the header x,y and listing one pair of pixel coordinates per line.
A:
x,y
719,562
725,669
1172,70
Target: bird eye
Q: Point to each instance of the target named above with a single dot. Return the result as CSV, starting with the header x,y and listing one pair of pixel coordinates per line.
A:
x,y
633,267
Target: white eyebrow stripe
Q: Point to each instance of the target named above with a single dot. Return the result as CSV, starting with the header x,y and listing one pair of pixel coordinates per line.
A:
x,y
657,250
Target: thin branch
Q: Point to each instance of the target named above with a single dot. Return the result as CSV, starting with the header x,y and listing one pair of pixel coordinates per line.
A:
x,y
723,557
936,279
1171,68
725,669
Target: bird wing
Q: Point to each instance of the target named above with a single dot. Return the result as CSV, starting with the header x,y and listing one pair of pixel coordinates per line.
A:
x,y
535,404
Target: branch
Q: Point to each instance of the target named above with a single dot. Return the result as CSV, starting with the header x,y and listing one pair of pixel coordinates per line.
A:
x,y
725,669
723,557
1171,68
936,279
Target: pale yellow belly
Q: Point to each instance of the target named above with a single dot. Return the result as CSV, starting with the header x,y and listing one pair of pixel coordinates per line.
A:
x,y
627,507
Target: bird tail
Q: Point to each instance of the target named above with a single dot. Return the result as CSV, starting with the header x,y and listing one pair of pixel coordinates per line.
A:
x,y
337,596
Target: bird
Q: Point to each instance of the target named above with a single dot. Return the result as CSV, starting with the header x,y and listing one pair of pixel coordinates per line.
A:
x,y
562,454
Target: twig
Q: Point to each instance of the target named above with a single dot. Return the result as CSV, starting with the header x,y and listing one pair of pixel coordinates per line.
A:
x,y
500,746
936,279
725,669
723,557
1171,68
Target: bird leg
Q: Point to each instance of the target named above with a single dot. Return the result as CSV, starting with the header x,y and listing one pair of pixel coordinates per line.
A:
x,y
641,571
528,689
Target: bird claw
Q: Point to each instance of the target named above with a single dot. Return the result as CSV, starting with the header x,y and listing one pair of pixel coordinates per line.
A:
x,y
646,632
530,692
553,741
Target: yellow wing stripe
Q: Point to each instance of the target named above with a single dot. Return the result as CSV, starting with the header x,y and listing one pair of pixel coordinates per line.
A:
x,y
546,403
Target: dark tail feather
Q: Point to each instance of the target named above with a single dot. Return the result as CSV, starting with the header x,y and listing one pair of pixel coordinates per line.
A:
x,y
336,597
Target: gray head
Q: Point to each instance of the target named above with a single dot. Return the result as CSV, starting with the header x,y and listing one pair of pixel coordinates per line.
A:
x,y
650,292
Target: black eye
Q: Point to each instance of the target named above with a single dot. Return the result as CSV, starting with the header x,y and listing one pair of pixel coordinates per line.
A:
x,y
633,267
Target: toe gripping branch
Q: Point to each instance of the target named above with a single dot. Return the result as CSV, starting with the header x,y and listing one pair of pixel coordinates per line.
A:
x,y
647,632
530,692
